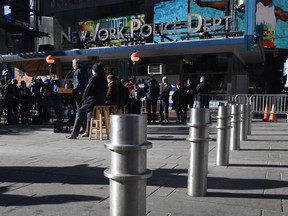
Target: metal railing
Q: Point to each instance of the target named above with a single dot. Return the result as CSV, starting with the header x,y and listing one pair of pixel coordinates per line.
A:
x,y
257,101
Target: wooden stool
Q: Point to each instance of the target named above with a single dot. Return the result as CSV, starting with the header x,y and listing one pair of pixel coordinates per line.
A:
x,y
100,120
122,110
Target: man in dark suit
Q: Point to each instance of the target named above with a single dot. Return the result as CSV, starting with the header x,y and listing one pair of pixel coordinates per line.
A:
x,y
80,79
94,95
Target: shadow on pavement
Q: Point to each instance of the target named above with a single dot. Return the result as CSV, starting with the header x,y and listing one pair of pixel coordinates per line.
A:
x,y
247,195
80,174
22,129
22,200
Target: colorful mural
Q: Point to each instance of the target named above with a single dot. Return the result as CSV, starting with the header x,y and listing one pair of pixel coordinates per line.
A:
x,y
109,22
272,14
92,32
168,11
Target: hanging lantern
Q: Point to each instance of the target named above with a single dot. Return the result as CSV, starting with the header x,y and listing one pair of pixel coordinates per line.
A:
x,y
135,57
50,59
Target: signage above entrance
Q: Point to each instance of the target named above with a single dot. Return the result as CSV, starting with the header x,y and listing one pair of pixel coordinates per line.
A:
x,y
136,30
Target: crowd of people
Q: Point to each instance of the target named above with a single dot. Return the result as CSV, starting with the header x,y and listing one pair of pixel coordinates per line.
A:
x,y
183,98
18,100
98,89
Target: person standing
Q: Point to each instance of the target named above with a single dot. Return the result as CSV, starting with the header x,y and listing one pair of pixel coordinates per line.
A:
x,y
123,96
10,99
151,90
113,91
46,92
203,91
190,95
93,95
80,79
179,102
129,85
37,99
135,95
24,102
165,88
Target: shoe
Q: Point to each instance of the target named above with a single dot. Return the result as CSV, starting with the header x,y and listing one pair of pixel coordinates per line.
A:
x,y
82,131
71,137
177,121
85,135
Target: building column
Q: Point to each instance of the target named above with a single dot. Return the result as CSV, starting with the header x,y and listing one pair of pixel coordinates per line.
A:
x,y
239,77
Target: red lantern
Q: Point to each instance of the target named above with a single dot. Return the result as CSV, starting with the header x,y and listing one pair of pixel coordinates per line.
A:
x,y
135,57
50,59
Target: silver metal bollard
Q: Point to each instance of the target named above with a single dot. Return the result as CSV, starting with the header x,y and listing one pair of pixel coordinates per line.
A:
x,y
243,128
199,136
223,135
128,174
235,128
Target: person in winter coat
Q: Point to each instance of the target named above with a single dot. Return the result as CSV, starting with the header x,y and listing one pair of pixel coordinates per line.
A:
x,y
165,88
25,102
80,79
123,97
94,95
135,95
179,102
152,94
203,91
113,91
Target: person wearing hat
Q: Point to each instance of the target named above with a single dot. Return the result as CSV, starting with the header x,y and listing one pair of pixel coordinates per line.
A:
x,y
94,95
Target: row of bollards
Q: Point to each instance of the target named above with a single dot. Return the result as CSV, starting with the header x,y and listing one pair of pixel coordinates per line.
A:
x,y
128,173
232,127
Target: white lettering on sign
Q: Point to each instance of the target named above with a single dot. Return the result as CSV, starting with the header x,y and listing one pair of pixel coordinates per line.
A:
x,y
195,24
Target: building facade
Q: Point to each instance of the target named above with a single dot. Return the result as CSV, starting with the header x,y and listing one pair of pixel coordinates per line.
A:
x,y
236,49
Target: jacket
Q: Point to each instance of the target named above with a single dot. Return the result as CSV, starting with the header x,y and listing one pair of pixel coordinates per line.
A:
x,y
95,93
152,89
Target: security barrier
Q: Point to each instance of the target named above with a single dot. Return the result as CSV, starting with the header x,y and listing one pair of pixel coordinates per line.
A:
x,y
199,140
128,173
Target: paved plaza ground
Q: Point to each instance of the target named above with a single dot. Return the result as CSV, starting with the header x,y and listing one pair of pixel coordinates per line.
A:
x,y
44,174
